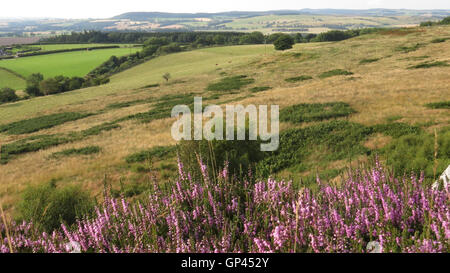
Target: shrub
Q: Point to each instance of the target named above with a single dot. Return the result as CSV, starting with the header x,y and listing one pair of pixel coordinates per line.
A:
x,y
39,123
339,139
439,105
7,95
315,112
396,129
284,42
298,79
370,206
336,72
81,151
407,49
48,206
30,144
415,153
159,152
367,61
439,40
260,88
230,83
430,64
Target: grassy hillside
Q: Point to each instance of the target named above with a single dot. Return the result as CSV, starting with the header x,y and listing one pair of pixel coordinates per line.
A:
x,y
69,64
377,103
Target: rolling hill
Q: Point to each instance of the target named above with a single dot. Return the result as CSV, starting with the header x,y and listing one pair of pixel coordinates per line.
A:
x,y
384,81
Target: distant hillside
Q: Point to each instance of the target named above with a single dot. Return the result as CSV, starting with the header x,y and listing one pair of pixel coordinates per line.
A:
x,y
237,14
305,21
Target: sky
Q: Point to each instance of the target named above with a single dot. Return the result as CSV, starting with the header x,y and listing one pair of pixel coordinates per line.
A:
x,y
108,8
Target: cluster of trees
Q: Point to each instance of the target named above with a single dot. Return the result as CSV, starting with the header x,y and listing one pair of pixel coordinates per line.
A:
x,y
37,86
203,38
7,95
445,21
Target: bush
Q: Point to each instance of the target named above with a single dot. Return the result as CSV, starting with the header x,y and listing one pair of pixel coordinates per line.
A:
x,y
336,72
44,122
439,105
48,206
367,61
284,42
430,64
82,151
230,83
415,153
7,95
159,152
315,112
298,79
260,88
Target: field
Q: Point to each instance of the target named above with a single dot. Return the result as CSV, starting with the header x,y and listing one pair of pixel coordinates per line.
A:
x,y
69,64
8,79
355,108
6,41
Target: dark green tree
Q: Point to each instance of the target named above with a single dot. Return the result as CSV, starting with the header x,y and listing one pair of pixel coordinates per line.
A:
x,y
284,42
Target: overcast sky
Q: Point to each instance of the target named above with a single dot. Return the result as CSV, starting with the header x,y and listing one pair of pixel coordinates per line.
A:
x,y
109,8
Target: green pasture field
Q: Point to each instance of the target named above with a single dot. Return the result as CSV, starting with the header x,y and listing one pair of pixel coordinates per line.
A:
x,y
70,64
8,79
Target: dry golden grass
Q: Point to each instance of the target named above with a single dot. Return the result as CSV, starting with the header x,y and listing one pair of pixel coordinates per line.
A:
x,y
377,91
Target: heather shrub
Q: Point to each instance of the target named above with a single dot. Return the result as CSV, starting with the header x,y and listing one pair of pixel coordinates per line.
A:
x,y
39,123
298,79
225,214
230,83
48,206
335,72
89,150
315,112
439,105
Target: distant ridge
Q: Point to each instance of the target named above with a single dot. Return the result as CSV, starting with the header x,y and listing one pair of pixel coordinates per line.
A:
x,y
372,12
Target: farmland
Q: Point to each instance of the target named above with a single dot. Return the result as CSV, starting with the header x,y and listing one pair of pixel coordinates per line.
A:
x,y
8,79
69,64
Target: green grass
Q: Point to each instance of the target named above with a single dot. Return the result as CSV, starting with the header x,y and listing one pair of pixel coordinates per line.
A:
x,y
89,150
39,123
415,153
8,79
439,105
315,112
230,83
429,65
335,72
180,65
69,64
298,79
